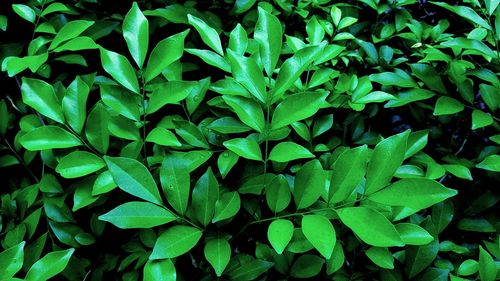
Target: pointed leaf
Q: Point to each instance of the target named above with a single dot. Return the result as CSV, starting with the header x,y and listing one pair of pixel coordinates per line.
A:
x,y
138,215
175,241
41,96
320,232
218,252
136,33
48,137
279,234
120,69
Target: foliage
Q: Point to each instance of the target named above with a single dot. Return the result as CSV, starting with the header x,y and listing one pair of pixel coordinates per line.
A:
x,y
245,140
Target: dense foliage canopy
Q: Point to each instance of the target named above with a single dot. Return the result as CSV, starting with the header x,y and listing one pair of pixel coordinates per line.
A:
x,y
245,140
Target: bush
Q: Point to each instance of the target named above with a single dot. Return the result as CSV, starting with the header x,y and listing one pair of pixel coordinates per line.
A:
x,y
244,140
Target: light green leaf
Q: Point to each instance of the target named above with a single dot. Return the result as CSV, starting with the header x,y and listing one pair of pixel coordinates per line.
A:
x,y
278,194
138,215
41,96
208,34
226,162
279,234
136,33
211,58
487,267
25,12
490,163
205,194
96,129
385,160
306,266
159,270
412,234
397,78
48,137
175,179
227,206
348,171
164,53
480,119
370,226
458,171
162,136
309,184
218,252
78,164
238,40
297,107
248,74
69,31
268,34
133,177
468,267
447,105
175,241
49,266
169,93
11,260
120,69
382,257
320,232
245,147
74,104
248,111
289,151
465,12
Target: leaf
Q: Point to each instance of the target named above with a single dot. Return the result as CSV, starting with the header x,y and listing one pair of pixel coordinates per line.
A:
x,y
412,234
447,105
69,31
218,252
245,147
247,73
480,119
309,184
120,69
306,266
320,232
121,101
268,34
465,12
226,162
211,58
96,129
468,267
250,270
208,34
227,206
370,226
48,137
487,267
159,270
382,257
491,6
24,12
134,178
413,193
164,137
385,160
49,266
175,241
297,107
348,171
205,194
292,68
279,234
138,215
136,33
397,78
78,164
420,257
74,104
238,40
278,194
175,179
41,96
248,111
169,93
11,260
289,151
490,163
165,53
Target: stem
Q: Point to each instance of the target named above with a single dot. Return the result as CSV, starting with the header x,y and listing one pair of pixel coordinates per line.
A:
x,y
88,146
37,20
144,117
21,160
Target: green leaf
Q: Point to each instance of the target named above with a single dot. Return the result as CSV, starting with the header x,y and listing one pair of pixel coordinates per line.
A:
x,y
413,193
226,162
164,137
480,119
247,73
69,31
41,96
320,232
250,270
211,58
48,137
175,179
465,12
133,177
96,129
268,34
120,69
177,91
218,252
175,241
289,151
24,12
382,257
245,147
136,33
306,266
49,266
165,53
138,215
398,78
159,270
280,233
297,107
238,40
121,101
14,65
248,111
74,104
458,171
205,194
447,105
293,67
208,34
468,267
278,194
491,6
11,260
370,226
420,257
78,164
412,234
227,206
348,171
310,183
490,163
487,267
385,160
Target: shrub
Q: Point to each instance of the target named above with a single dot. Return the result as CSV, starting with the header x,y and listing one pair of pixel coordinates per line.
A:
x,y
245,140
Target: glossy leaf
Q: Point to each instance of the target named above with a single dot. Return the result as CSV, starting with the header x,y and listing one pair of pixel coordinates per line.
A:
x,y
279,234
136,33
320,232
175,241
138,215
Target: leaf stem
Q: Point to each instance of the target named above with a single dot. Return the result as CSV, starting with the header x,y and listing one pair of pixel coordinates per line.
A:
x,y
144,120
21,160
